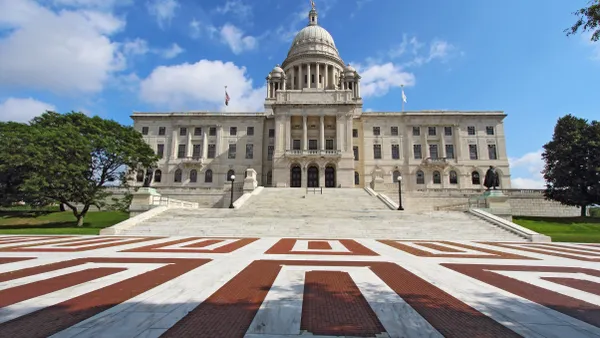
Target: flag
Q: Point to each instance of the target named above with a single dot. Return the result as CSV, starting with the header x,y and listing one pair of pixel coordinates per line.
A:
x,y
403,96
226,97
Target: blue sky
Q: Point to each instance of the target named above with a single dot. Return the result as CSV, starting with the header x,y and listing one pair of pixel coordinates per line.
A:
x,y
112,57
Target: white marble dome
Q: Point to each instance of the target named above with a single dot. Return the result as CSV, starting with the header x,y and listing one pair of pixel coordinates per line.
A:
x,y
313,38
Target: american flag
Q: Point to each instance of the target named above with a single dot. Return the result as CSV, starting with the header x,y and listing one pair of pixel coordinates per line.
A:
x,y
226,97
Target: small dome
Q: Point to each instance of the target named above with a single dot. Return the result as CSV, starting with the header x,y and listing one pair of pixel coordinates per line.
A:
x,y
349,69
277,69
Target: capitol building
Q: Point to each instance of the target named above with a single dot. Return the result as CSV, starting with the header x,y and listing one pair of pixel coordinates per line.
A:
x,y
313,133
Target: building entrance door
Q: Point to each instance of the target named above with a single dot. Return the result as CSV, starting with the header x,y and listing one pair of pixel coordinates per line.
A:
x,y
296,177
330,177
313,177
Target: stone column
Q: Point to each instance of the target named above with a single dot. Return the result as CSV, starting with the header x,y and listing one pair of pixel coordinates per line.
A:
x,y
219,141
358,88
284,82
457,143
425,149
308,77
174,143
293,77
205,142
288,132
301,78
189,142
338,132
348,136
305,133
326,81
322,125
317,75
442,151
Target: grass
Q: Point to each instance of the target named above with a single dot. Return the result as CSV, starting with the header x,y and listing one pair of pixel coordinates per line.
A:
x,y
48,222
568,229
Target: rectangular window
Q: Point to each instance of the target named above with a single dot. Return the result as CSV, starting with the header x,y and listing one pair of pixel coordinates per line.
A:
x,y
492,152
489,130
160,150
313,145
162,131
271,133
181,151
212,151
197,131
394,131
270,150
232,131
449,151
182,131
305,79
448,131
395,152
433,151
432,131
212,131
312,78
377,151
355,133
329,144
249,151
296,144
416,131
417,151
376,131
231,151
471,130
250,131
145,130
355,150
473,151
197,151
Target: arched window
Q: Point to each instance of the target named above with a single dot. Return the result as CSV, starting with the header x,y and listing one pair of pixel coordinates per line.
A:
x,y
356,178
453,177
420,177
269,178
193,176
437,178
177,177
208,176
395,176
229,174
139,176
475,178
157,176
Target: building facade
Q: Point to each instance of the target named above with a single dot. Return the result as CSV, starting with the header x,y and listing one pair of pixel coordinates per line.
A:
x,y
313,133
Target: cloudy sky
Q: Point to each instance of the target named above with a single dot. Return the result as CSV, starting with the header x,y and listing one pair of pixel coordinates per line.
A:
x,y
112,57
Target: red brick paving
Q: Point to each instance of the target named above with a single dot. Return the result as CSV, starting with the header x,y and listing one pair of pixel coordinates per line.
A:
x,y
438,247
333,305
4,260
285,246
203,244
422,253
582,251
579,284
230,311
525,247
105,243
50,320
319,245
231,247
584,311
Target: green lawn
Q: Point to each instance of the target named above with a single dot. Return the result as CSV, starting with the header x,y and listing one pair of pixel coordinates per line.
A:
x,y
36,222
572,229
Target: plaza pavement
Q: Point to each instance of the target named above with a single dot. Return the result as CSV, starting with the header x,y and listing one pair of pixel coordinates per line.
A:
x,y
142,286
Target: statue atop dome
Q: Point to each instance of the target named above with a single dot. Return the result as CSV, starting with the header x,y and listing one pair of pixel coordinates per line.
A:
x,y
312,4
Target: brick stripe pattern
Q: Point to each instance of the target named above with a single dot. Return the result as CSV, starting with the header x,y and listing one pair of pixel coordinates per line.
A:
x,y
285,246
197,247
78,244
582,254
449,252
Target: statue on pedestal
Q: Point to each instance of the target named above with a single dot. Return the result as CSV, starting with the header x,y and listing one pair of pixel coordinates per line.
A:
x,y
491,181
148,178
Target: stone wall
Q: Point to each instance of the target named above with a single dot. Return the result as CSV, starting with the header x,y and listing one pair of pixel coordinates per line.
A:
x,y
206,198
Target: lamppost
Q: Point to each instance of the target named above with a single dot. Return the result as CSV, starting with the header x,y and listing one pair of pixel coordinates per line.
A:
x,y
232,180
400,192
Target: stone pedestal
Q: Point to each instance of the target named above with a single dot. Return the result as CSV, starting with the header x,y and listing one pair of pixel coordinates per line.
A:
x,y
250,182
497,203
378,183
142,201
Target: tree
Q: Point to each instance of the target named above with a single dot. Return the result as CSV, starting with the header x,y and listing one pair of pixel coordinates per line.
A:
x,y
71,157
572,169
13,137
588,20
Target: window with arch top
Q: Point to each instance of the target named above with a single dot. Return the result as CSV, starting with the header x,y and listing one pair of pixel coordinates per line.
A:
x,y
140,176
157,176
420,177
437,177
395,176
177,176
475,179
193,176
208,176
229,174
453,177
356,178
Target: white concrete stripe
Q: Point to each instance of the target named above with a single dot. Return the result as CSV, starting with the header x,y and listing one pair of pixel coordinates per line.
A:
x,y
465,251
181,246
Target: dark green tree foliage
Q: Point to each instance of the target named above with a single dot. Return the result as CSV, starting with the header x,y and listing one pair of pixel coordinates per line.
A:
x,y
573,162
588,19
13,138
71,157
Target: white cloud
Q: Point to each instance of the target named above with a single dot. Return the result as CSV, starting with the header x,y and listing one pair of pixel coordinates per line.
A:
x,y
64,51
22,110
172,51
163,11
237,8
98,4
136,47
235,39
411,45
530,165
200,86
439,50
378,79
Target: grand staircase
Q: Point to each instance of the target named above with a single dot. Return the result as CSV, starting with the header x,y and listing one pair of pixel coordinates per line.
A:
x,y
336,213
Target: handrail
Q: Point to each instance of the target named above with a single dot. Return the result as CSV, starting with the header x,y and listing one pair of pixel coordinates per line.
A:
x,y
314,189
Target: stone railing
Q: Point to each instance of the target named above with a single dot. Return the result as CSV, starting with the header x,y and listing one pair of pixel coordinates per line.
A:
x,y
448,191
295,152
314,95
157,200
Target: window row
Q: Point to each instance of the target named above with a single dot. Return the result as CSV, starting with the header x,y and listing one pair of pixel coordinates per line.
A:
x,y
212,150
178,176
313,144
431,131
437,177
212,131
